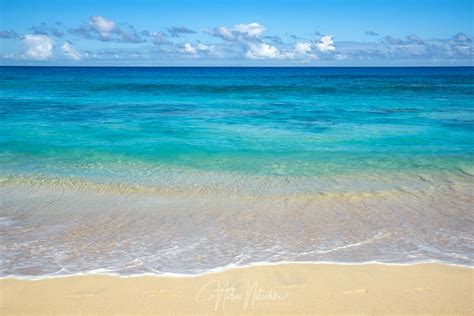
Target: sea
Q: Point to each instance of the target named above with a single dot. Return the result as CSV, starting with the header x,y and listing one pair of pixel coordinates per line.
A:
x,y
184,171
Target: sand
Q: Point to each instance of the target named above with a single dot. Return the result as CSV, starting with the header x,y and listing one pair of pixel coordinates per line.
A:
x,y
283,288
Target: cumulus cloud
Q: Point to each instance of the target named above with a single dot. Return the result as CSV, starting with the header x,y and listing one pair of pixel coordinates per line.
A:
x,y
70,52
205,48
256,46
188,48
103,26
176,31
37,47
237,42
98,27
200,48
303,48
326,44
262,51
107,30
238,32
223,33
302,51
252,29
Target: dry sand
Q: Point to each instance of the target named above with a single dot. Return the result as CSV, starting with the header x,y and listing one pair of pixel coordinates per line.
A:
x,y
284,288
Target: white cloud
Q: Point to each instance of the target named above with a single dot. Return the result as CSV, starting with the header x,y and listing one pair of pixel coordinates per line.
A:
x,y
224,33
302,51
239,32
262,51
326,44
303,48
253,29
250,35
205,48
71,52
239,41
107,30
308,50
104,27
199,48
188,48
37,47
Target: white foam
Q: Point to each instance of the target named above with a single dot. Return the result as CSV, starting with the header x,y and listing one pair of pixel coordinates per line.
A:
x,y
106,272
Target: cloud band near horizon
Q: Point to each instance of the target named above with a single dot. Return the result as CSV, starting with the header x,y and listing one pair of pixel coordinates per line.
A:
x,y
121,42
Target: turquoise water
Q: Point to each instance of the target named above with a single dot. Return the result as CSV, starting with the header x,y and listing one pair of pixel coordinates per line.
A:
x,y
186,170
284,121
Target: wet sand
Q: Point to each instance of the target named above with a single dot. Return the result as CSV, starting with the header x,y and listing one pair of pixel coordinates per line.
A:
x,y
283,288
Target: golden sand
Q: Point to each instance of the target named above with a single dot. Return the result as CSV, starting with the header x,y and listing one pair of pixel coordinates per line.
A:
x,y
284,288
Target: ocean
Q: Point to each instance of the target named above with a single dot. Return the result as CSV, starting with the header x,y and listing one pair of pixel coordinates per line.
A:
x,y
187,170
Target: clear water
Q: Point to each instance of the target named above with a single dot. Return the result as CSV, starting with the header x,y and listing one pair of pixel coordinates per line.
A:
x,y
184,170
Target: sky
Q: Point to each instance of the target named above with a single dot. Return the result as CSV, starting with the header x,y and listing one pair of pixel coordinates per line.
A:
x,y
237,33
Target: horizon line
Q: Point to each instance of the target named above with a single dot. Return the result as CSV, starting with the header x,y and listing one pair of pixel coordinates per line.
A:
x,y
128,66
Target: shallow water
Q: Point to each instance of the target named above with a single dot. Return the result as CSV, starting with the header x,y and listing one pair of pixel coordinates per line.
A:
x,y
184,170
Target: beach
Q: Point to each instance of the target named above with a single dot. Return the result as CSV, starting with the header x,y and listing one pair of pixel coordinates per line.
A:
x,y
284,288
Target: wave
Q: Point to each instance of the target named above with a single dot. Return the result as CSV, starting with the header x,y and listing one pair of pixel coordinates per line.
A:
x,y
106,272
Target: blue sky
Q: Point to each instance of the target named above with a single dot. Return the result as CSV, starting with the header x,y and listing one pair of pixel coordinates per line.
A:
x,y
237,33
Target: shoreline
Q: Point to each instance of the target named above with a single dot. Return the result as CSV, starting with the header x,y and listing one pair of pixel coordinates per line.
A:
x,y
224,269
274,288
